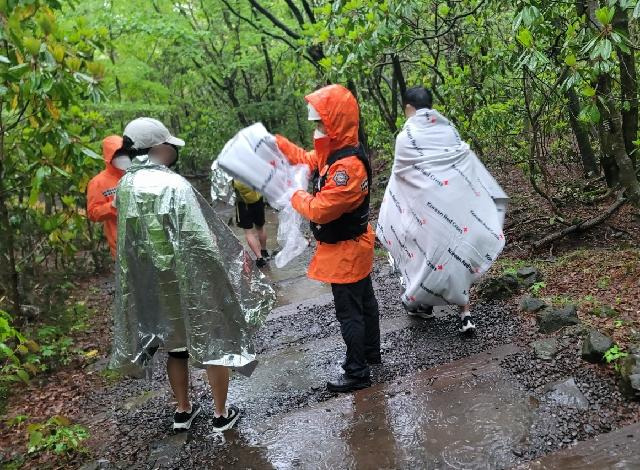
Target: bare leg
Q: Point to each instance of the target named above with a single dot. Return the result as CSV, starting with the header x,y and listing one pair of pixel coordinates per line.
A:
x,y
178,372
219,382
253,242
262,237
465,310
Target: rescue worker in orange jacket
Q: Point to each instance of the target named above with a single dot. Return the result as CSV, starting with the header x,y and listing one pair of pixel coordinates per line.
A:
x,y
101,190
338,211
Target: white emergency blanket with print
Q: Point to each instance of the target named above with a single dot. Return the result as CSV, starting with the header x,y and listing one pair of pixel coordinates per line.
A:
x,y
252,156
442,214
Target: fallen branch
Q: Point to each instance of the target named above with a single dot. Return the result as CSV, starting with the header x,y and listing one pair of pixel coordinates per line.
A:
x,y
581,226
517,223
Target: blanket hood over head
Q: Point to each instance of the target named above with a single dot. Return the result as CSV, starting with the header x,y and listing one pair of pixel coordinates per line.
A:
x,y
442,213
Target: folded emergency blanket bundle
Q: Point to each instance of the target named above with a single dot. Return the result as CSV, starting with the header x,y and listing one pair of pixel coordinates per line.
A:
x,y
252,157
442,214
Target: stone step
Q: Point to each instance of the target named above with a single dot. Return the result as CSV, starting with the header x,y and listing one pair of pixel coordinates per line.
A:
x,y
618,450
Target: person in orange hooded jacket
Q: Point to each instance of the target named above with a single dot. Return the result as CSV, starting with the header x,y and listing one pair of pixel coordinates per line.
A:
x,y
338,211
101,190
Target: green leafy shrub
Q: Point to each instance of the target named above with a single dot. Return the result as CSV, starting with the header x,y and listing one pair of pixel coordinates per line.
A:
x,y
14,348
56,347
536,287
57,434
613,355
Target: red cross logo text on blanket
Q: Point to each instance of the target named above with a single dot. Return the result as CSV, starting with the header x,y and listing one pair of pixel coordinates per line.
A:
x,y
341,178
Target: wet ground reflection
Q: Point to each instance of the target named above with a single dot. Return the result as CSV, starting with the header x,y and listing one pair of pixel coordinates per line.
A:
x,y
463,415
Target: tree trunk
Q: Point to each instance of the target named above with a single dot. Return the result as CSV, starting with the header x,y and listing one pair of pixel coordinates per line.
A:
x,y
362,133
589,162
611,136
617,165
628,89
606,132
7,242
399,76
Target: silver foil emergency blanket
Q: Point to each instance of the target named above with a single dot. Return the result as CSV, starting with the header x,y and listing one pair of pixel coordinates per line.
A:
x,y
182,277
221,185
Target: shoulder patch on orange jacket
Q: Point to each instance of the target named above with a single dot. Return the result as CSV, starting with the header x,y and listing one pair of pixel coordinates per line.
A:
x,y
334,199
341,178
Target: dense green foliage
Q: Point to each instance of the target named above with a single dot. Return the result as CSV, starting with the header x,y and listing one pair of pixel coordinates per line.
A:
x,y
47,75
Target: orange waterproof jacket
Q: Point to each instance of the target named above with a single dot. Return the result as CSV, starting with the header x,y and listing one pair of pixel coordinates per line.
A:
x,y
101,191
350,260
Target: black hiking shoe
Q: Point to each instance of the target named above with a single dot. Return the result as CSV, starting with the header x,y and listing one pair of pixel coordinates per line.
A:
x,y
182,420
265,254
261,262
466,325
346,383
222,423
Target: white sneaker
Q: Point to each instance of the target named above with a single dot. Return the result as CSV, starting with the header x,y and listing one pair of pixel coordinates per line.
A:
x,y
466,325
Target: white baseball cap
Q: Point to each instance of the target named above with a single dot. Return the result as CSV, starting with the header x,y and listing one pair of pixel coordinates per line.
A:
x,y
313,114
147,132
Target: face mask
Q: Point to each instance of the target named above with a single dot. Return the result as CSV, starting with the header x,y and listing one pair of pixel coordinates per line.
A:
x,y
318,134
322,146
121,163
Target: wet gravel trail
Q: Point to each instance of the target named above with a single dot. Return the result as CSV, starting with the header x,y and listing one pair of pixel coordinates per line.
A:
x,y
300,348
559,425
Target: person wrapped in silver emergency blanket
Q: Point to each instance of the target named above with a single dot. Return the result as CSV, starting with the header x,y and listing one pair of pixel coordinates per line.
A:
x,y
184,283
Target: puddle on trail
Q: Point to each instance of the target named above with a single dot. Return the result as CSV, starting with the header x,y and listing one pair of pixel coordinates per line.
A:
x,y
463,415
292,372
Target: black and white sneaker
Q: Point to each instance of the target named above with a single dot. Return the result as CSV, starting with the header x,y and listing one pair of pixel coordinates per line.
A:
x,y
182,420
466,325
261,262
222,423
265,254
423,311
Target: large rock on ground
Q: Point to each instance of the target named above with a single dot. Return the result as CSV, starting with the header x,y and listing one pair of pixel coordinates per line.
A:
x,y
553,319
567,393
528,275
545,348
630,374
496,288
532,305
594,345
